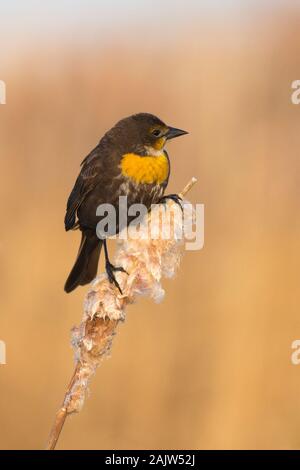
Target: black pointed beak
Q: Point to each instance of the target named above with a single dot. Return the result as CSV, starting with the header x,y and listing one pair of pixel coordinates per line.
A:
x,y
173,132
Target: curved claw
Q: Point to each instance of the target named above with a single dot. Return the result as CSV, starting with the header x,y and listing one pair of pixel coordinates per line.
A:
x,y
174,197
110,269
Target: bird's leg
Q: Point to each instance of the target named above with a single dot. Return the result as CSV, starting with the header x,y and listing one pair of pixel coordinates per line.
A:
x,y
110,269
174,197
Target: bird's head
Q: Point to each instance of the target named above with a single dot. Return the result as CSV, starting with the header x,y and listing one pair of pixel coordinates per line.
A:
x,y
145,133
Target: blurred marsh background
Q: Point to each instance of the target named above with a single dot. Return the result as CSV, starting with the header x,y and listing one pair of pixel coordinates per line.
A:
x,y
209,367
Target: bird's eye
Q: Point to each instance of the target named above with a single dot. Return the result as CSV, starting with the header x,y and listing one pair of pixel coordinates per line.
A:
x,y
156,132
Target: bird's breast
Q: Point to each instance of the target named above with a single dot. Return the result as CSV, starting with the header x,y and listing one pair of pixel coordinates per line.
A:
x,y
145,169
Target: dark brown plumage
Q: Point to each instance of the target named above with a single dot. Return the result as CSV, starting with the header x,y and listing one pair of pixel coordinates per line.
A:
x,y
102,180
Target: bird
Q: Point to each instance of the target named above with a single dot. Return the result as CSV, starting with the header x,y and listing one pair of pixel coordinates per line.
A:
x,y
130,160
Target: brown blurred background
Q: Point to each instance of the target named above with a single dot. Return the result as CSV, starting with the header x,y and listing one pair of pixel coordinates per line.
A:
x,y
210,367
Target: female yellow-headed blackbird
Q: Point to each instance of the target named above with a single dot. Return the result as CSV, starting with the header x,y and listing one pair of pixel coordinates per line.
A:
x,y
130,160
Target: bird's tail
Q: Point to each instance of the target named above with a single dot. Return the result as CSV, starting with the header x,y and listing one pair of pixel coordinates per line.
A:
x,y
86,264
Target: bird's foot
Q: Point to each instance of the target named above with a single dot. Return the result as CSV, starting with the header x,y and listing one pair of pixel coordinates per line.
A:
x,y
174,197
110,270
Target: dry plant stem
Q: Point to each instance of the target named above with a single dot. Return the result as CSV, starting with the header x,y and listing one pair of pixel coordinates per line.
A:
x,y
92,341
56,429
60,416
188,187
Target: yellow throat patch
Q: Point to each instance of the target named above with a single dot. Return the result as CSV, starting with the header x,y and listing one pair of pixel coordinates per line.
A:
x,y
147,169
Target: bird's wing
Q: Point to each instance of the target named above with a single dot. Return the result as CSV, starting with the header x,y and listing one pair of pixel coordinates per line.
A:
x,y
86,181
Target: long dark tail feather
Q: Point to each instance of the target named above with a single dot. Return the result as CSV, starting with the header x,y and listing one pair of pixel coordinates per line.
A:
x,y
86,264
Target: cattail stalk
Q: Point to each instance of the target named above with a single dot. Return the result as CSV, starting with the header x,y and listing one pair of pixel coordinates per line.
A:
x,y
146,260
